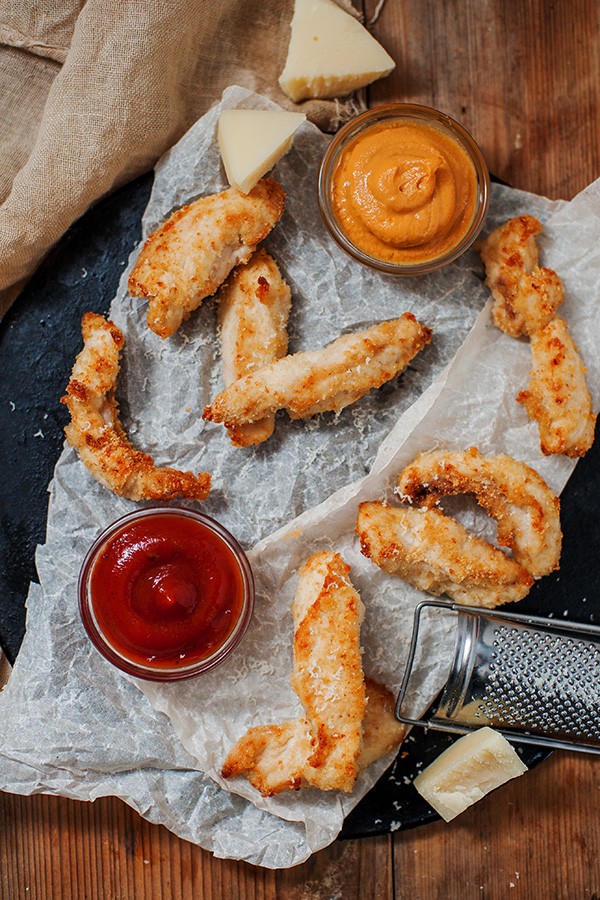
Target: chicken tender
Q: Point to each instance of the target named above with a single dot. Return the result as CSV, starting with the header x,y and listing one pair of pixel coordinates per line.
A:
x,y
274,757
349,723
328,676
526,509
320,380
558,397
253,311
437,554
193,252
526,299
381,729
525,295
96,432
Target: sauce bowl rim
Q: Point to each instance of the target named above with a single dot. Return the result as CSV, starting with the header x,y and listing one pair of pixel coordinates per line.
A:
x,y
367,119
102,642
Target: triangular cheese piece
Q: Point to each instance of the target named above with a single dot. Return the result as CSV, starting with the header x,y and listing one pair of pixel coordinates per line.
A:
x,y
469,769
330,53
251,141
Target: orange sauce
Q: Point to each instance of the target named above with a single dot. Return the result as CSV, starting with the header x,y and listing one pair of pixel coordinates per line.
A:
x,y
404,192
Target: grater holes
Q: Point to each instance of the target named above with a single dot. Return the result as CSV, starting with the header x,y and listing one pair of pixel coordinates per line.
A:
x,y
542,683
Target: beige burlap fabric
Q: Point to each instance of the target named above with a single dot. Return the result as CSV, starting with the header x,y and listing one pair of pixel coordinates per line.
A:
x,y
92,93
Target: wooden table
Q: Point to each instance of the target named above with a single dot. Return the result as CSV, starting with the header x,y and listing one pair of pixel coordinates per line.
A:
x,y
523,78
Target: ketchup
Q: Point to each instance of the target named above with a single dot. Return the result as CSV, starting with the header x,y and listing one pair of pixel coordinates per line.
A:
x,y
167,591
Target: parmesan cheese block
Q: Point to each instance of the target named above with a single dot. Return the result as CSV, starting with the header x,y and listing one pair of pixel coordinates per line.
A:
x,y
468,770
251,141
330,53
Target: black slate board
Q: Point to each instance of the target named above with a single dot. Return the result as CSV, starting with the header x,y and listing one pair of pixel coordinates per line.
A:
x,y
38,340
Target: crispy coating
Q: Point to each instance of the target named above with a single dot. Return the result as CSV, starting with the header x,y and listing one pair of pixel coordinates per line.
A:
x,y
381,729
348,723
525,302
320,380
437,554
193,252
96,432
558,397
327,675
274,758
253,311
526,509
525,295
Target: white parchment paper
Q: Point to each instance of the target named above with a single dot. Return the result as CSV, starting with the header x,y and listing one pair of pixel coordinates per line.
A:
x,y
72,724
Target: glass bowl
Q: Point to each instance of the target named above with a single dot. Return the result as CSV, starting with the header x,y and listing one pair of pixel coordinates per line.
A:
x,y
395,114
166,594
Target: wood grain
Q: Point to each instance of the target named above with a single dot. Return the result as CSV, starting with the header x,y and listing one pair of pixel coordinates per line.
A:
x,y
57,848
523,78
537,837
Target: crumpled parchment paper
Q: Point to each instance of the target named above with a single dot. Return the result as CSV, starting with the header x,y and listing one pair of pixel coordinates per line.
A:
x,y
74,725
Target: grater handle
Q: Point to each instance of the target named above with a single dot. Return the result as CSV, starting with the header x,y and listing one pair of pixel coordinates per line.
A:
x,y
463,664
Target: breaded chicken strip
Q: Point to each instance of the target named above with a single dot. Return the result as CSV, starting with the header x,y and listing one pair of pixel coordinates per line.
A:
x,y
381,729
525,295
328,676
526,509
95,430
274,758
320,380
437,554
526,299
253,311
348,723
558,397
193,252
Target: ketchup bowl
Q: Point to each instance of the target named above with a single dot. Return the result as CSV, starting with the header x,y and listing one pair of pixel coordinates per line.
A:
x,y
166,594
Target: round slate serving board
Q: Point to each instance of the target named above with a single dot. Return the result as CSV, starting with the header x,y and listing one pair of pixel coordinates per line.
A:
x,y
38,341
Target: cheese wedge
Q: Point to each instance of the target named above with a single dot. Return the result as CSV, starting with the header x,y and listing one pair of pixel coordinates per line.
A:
x,y
330,53
251,141
468,770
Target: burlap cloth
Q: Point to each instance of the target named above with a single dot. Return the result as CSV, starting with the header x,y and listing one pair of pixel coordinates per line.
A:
x,y
92,93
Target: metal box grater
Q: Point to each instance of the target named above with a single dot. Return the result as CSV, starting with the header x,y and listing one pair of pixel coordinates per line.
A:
x,y
533,679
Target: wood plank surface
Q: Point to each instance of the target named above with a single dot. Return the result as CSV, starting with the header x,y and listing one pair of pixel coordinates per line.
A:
x,y
537,837
523,77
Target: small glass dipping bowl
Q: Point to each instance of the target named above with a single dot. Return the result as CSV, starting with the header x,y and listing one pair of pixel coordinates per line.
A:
x,y
400,114
166,594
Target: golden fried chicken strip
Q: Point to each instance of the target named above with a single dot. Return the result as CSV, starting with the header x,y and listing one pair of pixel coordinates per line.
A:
x,y
328,676
95,430
539,295
437,554
526,299
381,729
558,397
526,509
349,722
193,252
274,757
525,295
320,380
253,311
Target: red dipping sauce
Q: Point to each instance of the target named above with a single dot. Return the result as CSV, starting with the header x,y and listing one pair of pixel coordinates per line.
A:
x,y
166,594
